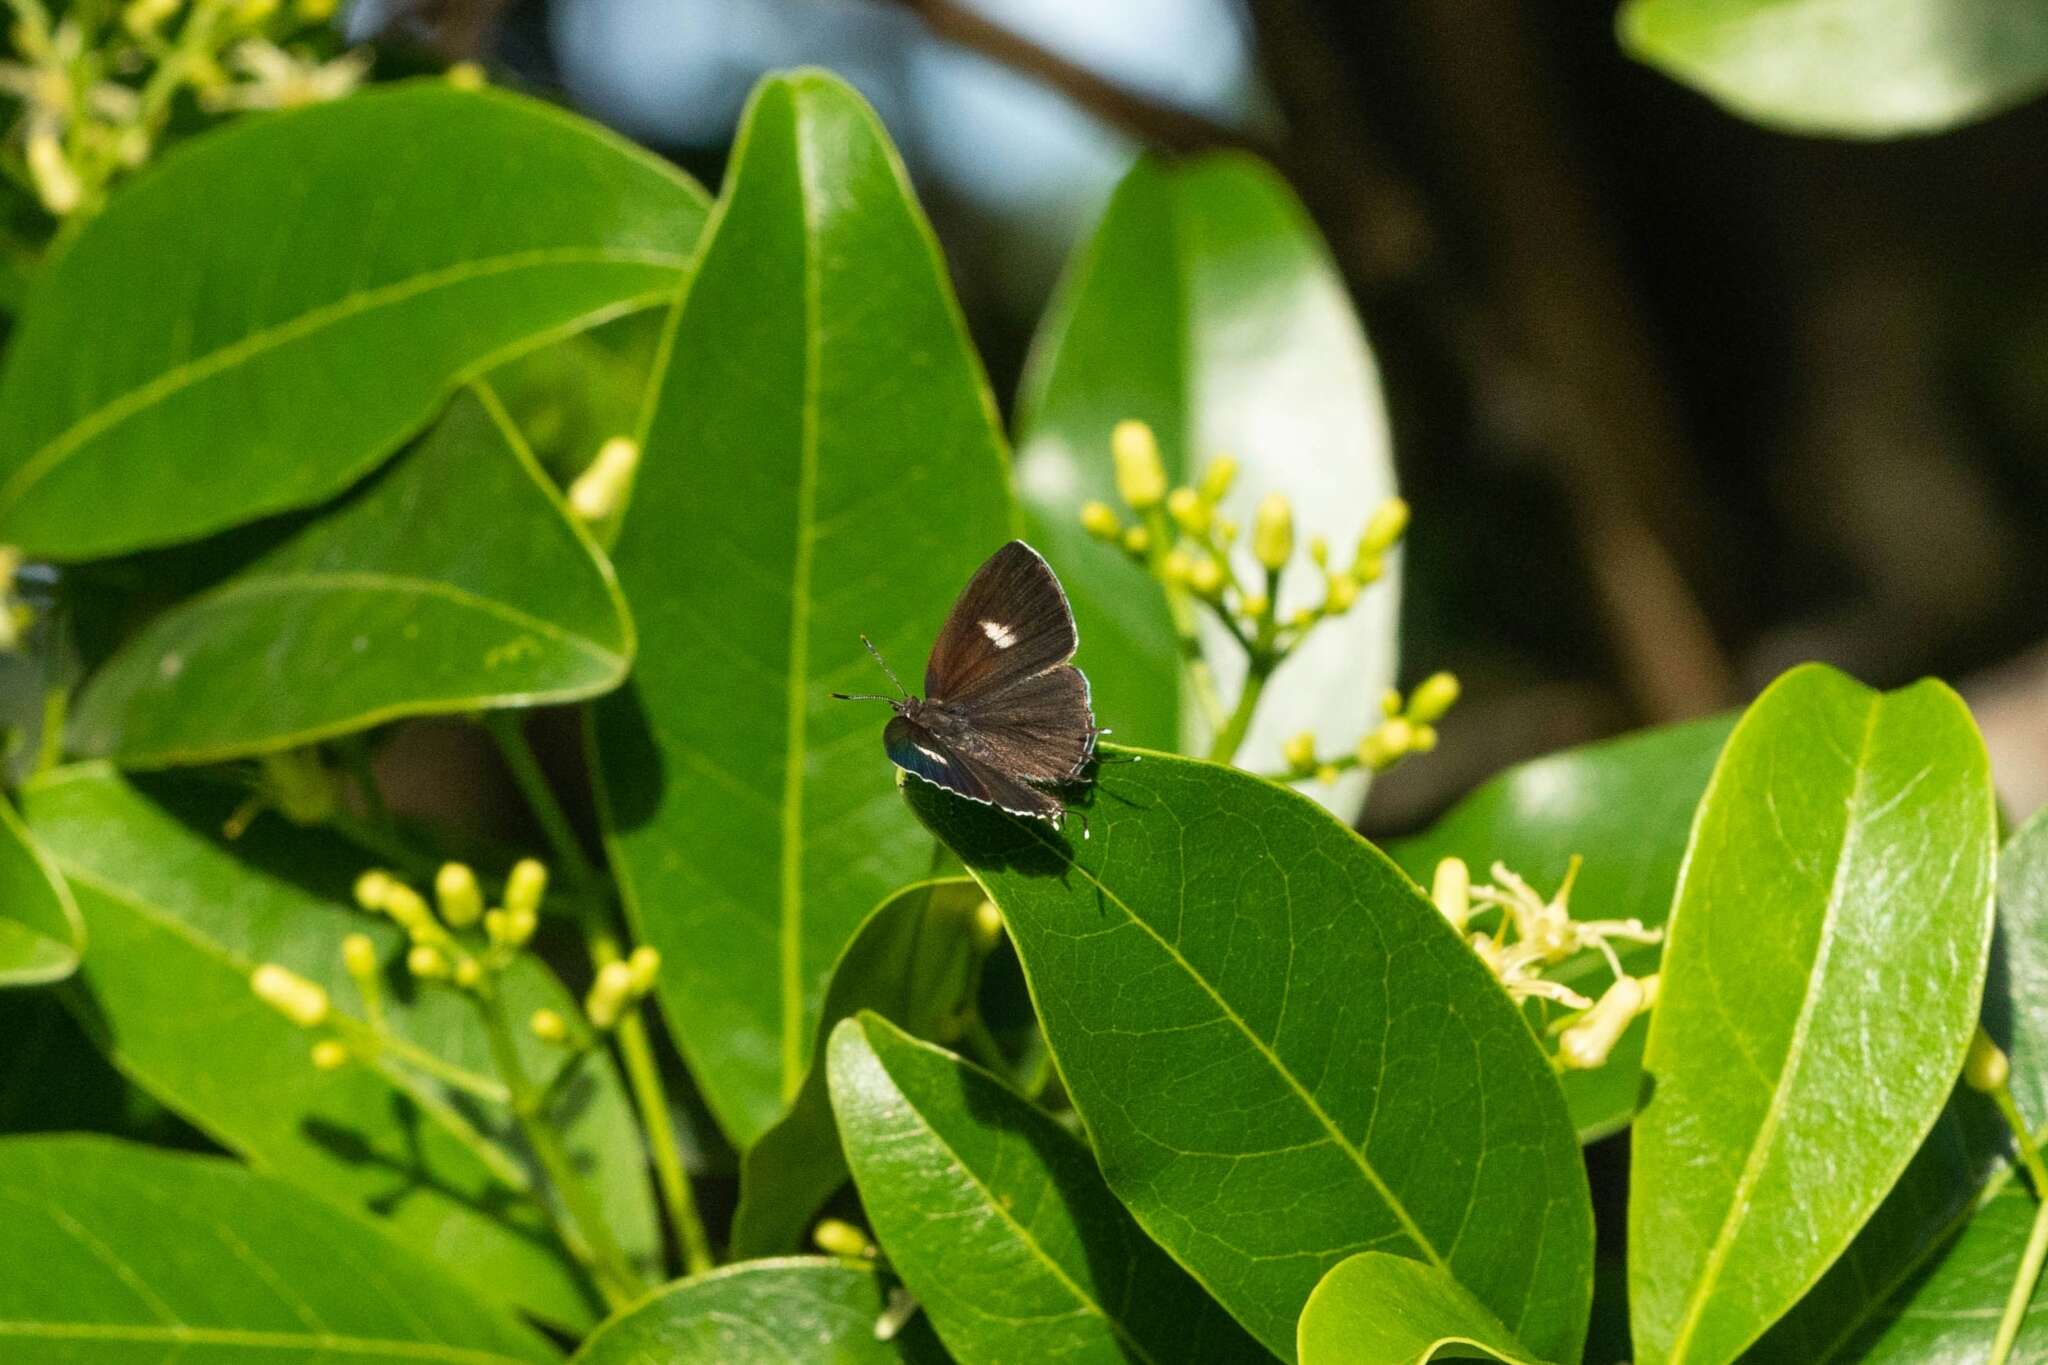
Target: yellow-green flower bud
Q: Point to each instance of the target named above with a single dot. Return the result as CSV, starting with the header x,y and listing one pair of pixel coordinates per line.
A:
x,y
468,972
643,964
359,955
315,11
1432,698
1327,774
608,995
330,1054
1217,477
1099,519
520,927
1140,476
837,1238
1389,523
1187,507
600,490
461,899
1451,891
466,76
1206,578
1343,593
1587,1043
373,888
1273,532
284,990
549,1026
1423,740
144,17
409,908
1302,618
1367,569
253,12
497,926
1299,753
524,887
1986,1069
1319,551
1177,567
1137,540
427,962
300,786
1226,531
987,929
1256,605
1390,702
1390,741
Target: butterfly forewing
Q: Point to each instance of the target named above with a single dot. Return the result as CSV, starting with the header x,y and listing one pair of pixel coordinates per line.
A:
x,y
1011,623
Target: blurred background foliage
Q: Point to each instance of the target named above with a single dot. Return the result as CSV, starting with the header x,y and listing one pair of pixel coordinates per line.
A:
x,y
1713,331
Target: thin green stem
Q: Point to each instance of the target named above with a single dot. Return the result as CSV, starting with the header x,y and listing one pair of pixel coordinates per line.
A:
x,y
2023,1282
50,743
419,1059
382,841
582,1226
508,728
1180,609
1225,746
650,1097
2029,1150
496,1158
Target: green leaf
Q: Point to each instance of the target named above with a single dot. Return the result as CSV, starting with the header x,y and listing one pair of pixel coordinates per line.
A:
x,y
54,1080
911,963
1281,1051
1849,68
41,934
797,1308
452,582
179,919
1376,1309
1927,1278
998,1221
1626,806
116,1252
262,318
823,460
1206,305
1820,985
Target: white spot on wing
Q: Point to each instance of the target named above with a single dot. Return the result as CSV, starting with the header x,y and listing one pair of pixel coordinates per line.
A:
x,y
933,755
1000,635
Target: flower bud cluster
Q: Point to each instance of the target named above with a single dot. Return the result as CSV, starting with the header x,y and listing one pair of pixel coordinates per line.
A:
x,y
1408,726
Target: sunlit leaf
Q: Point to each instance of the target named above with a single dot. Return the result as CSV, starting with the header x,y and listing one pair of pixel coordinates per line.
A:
x,y
41,934
1376,1309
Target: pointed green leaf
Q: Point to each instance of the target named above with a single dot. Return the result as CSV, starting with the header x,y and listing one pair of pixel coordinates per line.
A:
x,y
1820,985
179,919
1376,1309
41,934
1848,68
911,963
1281,1051
452,582
1928,1276
998,1221
121,1253
1626,807
797,1308
823,460
1206,305
259,320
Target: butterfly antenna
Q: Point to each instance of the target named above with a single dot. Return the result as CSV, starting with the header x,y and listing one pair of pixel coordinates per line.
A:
x,y
885,665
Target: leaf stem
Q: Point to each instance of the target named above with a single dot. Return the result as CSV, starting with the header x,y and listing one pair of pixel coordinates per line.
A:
x,y
650,1097
1180,609
2023,1140
583,1228
1225,746
501,1164
508,728
2023,1282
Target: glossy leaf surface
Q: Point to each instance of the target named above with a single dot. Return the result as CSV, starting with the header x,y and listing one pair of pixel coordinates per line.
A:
x,y
118,1253
1820,985
1852,68
823,460
454,581
41,934
1206,305
999,1222
1626,807
1376,1309
797,1308
1282,1053
180,918
910,963
263,317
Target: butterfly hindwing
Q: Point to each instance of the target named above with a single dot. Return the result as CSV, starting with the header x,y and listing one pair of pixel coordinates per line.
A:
x,y
1012,621
1039,728
925,756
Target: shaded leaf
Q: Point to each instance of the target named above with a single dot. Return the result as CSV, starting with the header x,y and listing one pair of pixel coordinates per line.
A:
x,y
179,919
910,963
1206,305
53,1080
1851,68
116,1252
770,1312
823,459
1626,806
1282,1053
452,582
999,1222
1376,1309
41,934
260,319
1820,985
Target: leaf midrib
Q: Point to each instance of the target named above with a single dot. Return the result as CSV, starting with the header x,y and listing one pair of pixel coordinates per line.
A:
x,y
119,408
1280,1068
1753,1164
